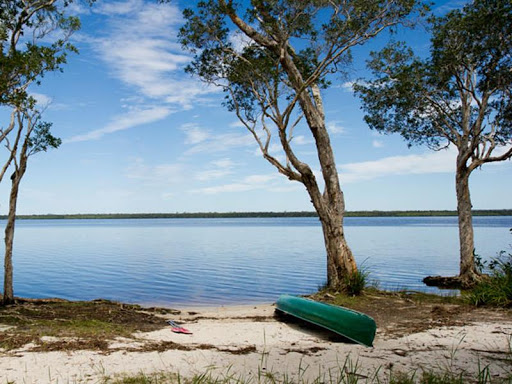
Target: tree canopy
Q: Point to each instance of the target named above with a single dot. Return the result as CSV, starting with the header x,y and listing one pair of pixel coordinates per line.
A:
x,y
24,57
460,94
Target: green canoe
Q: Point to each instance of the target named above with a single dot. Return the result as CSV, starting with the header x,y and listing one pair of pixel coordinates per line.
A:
x,y
353,325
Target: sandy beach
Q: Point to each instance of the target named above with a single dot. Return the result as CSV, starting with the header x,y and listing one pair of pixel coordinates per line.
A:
x,y
250,341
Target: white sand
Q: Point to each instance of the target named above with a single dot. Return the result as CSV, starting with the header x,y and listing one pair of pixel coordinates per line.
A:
x,y
279,348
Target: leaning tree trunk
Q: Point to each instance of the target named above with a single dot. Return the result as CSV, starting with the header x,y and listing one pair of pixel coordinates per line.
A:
x,y
468,273
8,297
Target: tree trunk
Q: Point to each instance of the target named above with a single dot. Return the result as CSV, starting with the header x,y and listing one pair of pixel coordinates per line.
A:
x,y
8,297
340,261
468,273
331,211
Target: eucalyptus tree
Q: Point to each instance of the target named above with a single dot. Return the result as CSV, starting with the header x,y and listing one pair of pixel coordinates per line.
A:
x,y
459,96
272,58
32,135
34,40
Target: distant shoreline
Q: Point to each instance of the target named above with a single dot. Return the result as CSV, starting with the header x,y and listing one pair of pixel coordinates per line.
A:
x,y
227,215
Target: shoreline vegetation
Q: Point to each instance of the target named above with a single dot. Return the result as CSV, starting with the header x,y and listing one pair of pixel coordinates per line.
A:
x,y
227,215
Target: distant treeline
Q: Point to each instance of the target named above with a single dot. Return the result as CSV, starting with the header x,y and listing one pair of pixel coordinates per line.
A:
x,y
213,215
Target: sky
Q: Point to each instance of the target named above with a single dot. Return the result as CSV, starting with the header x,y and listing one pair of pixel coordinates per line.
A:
x,y
140,135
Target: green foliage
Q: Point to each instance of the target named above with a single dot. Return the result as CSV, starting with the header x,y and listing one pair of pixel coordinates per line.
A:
x,y
24,59
41,139
257,74
460,94
497,289
142,378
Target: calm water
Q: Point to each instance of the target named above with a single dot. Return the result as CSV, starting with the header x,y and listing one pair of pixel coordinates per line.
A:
x,y
175,262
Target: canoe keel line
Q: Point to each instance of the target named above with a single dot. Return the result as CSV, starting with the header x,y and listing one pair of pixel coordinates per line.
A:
x,y
353,325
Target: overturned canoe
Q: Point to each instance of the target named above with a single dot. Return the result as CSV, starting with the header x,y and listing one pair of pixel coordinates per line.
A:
x,y
353,325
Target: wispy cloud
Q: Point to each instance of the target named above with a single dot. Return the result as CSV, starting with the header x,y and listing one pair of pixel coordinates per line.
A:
x,y
302,140
46,102
160,174
429,162
129,120
203,140
42,100
271,182
377,144
239,40
194,133
347,86
117,7
216,169
143,52
140,48
222,142
237,124
335,128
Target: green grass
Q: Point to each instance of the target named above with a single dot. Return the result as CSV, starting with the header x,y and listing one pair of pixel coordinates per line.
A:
x,y
89,324
355,283
142,378
349,373
496,290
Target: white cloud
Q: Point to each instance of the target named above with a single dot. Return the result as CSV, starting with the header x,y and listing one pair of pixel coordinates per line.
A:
x,y
377,144
249,183
334,128
194,134
140,47
347,86
161,174
223,163
78,9
142,51
223,142
302,140
239,40
108,7
430,162
217,169
129,120
42,100
212,174
237,124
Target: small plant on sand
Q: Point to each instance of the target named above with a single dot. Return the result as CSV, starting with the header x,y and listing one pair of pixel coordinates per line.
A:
x,y
142,378
355,283
497,289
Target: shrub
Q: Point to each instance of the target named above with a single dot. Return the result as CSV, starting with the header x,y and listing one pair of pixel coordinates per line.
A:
x,y
497,289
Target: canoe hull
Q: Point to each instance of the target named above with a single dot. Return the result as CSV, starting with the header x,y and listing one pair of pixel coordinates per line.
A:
x,y
353,325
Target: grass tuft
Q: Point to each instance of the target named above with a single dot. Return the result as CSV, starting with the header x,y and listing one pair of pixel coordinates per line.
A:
x,y
355,283
497,289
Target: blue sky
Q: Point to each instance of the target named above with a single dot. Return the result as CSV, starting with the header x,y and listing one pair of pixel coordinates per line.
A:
x,y
140,135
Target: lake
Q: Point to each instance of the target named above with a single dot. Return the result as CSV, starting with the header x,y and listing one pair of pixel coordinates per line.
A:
x,y
188,262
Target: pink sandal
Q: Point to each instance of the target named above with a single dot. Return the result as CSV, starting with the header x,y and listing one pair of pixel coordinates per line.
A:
x,y
177,328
